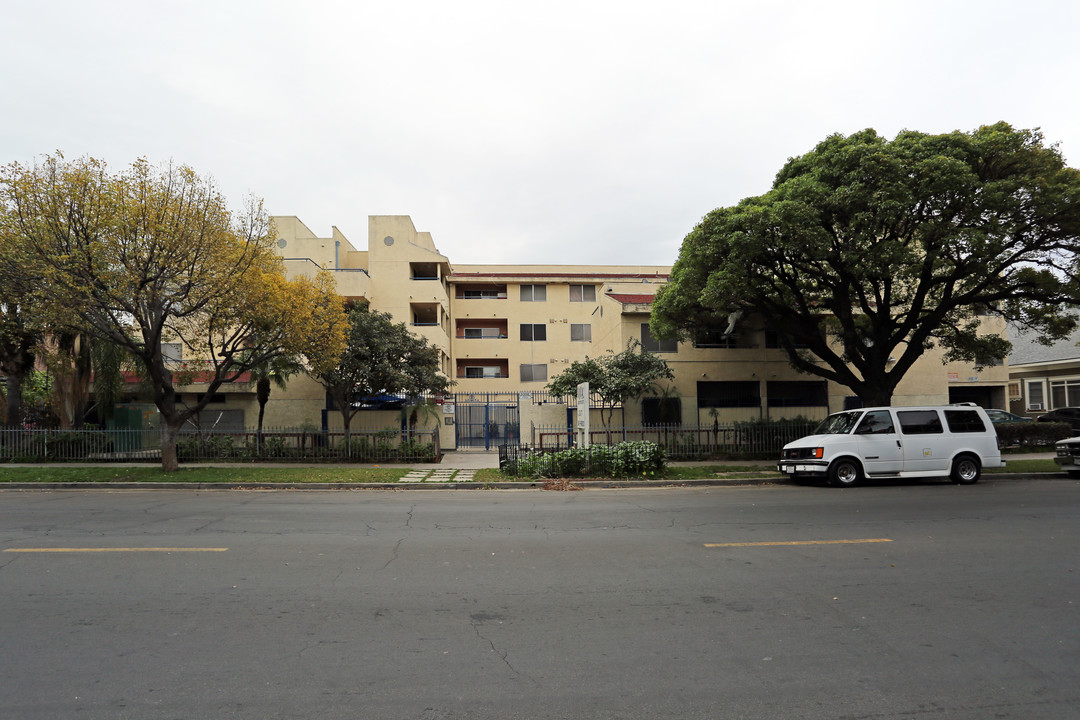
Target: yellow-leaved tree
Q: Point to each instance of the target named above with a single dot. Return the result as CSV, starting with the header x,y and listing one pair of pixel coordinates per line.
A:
x,y
152,254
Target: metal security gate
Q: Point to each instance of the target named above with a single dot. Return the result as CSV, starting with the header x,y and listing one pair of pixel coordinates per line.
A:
x,y
485,421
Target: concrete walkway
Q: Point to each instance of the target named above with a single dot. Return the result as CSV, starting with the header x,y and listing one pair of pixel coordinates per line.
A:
x,y
457,460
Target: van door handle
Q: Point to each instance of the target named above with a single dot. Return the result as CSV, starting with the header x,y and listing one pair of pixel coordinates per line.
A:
x,y
899,445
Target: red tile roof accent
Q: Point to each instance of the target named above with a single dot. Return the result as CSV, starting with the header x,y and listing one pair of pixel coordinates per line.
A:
x,y
626,299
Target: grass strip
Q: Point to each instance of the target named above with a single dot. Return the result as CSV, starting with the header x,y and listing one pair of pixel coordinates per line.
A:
x,y
347,474
215,475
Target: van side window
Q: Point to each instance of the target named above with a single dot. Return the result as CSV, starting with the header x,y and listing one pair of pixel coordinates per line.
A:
x,y
876,422
964,421
919,422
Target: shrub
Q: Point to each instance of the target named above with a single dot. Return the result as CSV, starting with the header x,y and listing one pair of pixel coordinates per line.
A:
x,y
624,460
1032,434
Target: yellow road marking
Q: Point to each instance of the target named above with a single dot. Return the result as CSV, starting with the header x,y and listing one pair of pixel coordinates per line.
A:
x,y
118,549
799,542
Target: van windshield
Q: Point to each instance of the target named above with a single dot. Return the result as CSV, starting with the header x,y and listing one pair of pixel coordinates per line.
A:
x,y
838,424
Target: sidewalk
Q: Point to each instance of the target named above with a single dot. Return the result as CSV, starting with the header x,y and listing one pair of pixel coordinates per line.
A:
x,y
457,460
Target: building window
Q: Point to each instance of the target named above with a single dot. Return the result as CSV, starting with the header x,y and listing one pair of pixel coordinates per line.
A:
x,y
480,294
797,393
580,333
661,411
533,293
1035,399
772,340
482,371
482,332
1064,393
533,333
582,293
733,393
660,346
534,373
715,337
172,352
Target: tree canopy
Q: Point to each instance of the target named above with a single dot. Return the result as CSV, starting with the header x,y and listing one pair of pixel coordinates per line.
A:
x,y
614,377
868,252
20,322
153,254
381,358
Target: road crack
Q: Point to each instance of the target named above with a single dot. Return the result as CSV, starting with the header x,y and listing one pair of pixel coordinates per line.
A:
x,y
503,655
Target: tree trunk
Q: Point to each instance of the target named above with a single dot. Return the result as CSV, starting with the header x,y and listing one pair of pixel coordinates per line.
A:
x,y
346,418
169,434
262,394
14,400
876,396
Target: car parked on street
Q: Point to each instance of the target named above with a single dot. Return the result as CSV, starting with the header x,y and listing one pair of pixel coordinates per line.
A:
x,y
1067,455
955,441
1069,415
1000,416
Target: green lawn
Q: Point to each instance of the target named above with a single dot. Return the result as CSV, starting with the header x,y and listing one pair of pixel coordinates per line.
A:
x,y
1026,465
328,474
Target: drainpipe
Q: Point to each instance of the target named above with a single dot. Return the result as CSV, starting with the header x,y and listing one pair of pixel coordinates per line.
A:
x,y
337,244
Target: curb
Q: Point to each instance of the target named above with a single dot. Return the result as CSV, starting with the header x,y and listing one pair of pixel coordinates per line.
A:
x,y
508,485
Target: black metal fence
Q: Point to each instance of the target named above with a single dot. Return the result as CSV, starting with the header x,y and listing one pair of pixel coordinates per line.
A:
x,y
680,442
271,445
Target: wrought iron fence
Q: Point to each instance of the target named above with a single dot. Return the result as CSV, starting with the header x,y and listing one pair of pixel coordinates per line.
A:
x,y
682,442
271,445
19,444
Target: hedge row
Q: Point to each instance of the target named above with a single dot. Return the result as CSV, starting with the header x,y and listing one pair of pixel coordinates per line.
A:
x,y
1032,434
625,460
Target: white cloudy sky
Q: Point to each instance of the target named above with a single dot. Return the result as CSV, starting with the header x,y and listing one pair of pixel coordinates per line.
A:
x,y
579,131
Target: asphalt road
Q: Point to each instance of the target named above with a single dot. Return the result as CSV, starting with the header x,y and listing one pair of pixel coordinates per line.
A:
x,y
906,601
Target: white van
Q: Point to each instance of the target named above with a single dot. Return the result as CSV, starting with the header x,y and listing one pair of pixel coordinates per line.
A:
x,y
956,441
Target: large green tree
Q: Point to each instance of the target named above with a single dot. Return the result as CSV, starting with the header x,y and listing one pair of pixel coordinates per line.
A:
x,y
381,357
150,255
21,324
614,377
867,252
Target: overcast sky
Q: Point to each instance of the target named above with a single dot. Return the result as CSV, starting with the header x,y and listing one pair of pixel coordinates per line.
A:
x,y
549,132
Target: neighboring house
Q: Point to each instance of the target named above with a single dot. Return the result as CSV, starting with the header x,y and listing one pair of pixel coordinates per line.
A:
x,y
505,330
1043,377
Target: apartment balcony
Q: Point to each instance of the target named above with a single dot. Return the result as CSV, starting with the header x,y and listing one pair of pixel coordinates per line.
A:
x,y
480,291
425,314
352,284
424,271
481,329
483,368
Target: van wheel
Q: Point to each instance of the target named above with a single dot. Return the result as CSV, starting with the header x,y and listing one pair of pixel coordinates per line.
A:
x,y
845,472
966,470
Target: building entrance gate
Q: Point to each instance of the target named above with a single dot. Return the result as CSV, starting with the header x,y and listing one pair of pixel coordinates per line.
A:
x,y
486,420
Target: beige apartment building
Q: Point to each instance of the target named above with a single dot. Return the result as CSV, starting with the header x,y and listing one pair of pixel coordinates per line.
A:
x,y
504,331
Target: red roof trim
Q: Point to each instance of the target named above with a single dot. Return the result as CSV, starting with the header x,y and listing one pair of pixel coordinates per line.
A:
x,y
632,299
